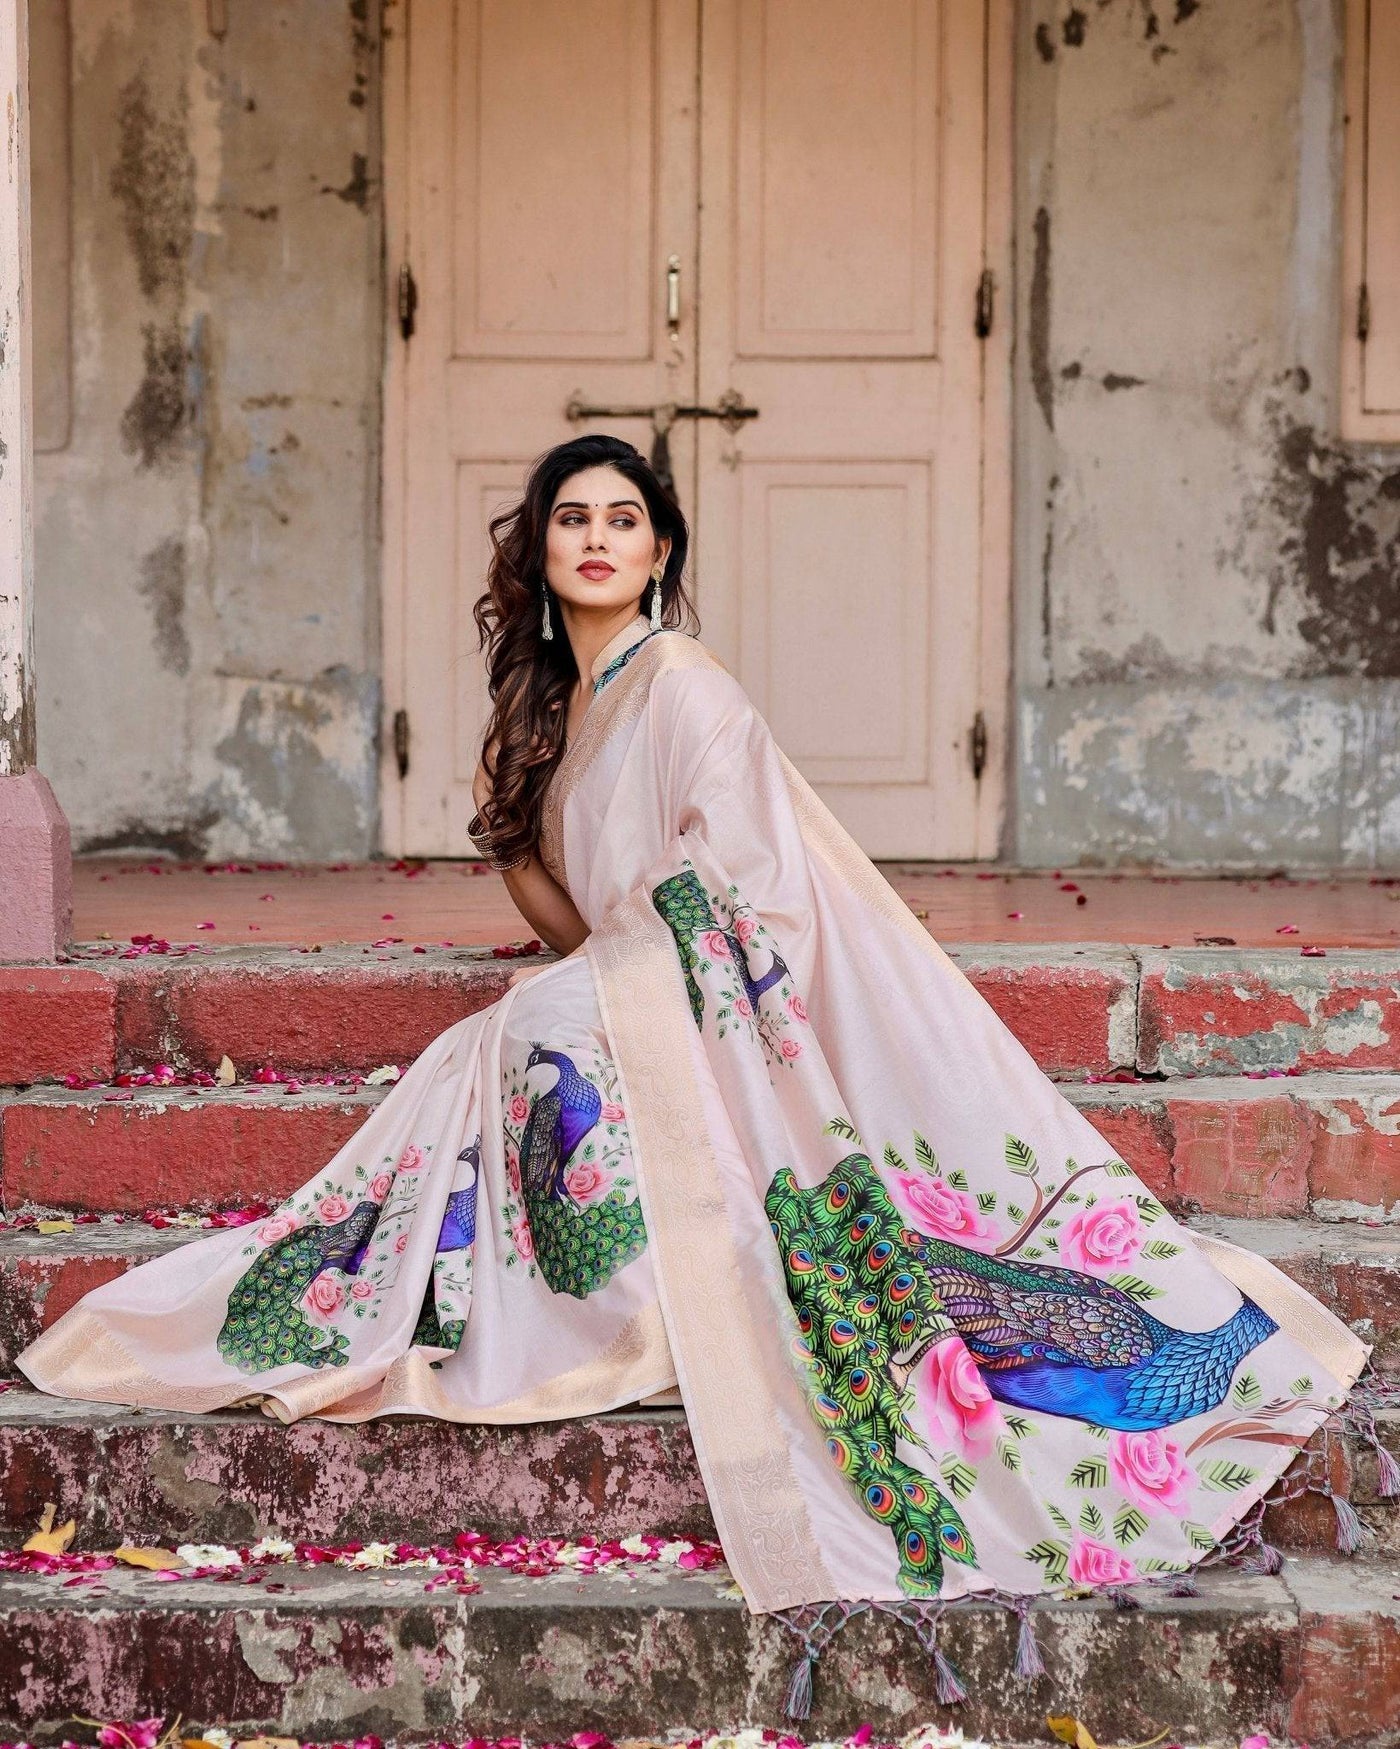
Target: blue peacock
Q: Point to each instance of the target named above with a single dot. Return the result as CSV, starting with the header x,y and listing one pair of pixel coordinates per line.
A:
x,y
684,904
265,1325
457,1233
579,1247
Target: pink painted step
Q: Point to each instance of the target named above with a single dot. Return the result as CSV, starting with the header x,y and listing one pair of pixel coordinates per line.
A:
x,y
1229,1145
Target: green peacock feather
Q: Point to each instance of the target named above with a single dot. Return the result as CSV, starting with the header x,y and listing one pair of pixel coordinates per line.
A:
x,y
265,1325
865,1313
683,903
580,1247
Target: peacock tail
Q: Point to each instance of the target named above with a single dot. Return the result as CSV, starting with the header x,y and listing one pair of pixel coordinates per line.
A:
x,y
265,1326
860,1307
579,1247
684,904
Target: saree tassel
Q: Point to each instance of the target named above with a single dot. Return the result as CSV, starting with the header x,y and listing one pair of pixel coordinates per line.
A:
x,y
799,1689
1389,1485
948,1682
1350,1530
1184,1585
1265,1558
1029,1663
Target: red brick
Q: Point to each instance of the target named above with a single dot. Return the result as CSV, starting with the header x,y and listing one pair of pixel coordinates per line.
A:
x,y
1355,1158
1242,1157
122,1158
302,1020
1213,1014
55,1020
1346,1676
1062,1014
34,1291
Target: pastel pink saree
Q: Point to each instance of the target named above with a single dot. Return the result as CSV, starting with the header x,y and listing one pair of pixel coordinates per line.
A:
x,y
760,1139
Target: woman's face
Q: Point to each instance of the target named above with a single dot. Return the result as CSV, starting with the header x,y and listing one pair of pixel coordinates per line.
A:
x,y
601,544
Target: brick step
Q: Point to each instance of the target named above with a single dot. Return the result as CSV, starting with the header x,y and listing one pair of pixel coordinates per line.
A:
x,y
1312,1653
235,1475
1328,1144
1097,1009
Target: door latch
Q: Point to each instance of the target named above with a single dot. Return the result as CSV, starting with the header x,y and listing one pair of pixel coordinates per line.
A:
x,y
978,747
401,741
408,301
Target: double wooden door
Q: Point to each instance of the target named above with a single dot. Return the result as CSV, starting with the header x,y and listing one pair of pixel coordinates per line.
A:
x,y
773,204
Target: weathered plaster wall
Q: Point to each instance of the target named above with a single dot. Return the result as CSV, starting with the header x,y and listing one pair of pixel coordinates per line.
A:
x,y
1207,594
207,542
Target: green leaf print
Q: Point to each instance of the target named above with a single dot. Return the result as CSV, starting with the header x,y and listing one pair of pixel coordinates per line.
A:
x,y
1057,1517
1136,1288
1089,1472
1020,1158
1159,1250
1225,1477
1009,1453
1246,1393
960,1477
1128,1525
1052,1556
1091,1520
924,1154
1199,1537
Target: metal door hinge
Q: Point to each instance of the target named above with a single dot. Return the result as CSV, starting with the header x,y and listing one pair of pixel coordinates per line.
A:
x,y
401,741
408,301
1363,313
978,746
986,288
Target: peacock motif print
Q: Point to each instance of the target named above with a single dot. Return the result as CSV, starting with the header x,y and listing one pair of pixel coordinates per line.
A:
x,y
572,1212
722,940
266,1324
449,1281
864,1317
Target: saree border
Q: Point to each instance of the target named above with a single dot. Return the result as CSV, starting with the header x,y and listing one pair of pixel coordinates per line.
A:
x,y
745,1460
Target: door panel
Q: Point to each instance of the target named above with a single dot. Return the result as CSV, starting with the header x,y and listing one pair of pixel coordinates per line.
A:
x,y
841,207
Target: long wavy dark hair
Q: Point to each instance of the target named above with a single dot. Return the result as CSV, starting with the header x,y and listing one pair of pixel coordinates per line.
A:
x,y
528,678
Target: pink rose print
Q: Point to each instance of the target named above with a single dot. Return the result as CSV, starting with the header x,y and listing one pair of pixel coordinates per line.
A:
x,y
401,1244
790,1048
1094,1563
332,1208
411,1158
513,1171
523,1238
277,1228
380,1185
1150,1471
519,1108
612,1113
951,1400
325,1296
362,1290
742,1006
745,928
588,1182
797,1008
713,943
944,1213
1102,1238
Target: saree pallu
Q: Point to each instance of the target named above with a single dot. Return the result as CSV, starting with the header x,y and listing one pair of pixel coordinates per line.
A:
x,y
761,1141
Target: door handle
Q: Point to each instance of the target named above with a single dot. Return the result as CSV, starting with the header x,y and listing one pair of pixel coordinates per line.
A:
x,y
673,292
730,410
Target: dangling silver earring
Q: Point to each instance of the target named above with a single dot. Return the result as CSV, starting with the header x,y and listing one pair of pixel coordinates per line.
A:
x,y
547,630
656,601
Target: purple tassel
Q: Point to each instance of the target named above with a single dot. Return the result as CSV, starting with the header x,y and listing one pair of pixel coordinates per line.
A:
x,y
1350,1530
1184,1584
1029,1663
1389,1485
950,1689
799,1691
1265,1559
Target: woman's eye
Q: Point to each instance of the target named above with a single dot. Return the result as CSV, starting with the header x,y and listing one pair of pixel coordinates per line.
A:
x,y
625,521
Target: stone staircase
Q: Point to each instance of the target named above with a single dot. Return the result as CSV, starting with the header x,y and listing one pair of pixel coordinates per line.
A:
x,y
1258,1092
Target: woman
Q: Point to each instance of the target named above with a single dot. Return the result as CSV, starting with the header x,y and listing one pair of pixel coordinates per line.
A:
x,y
753,1135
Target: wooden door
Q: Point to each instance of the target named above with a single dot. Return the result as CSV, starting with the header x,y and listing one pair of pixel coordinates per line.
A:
x,y
825,179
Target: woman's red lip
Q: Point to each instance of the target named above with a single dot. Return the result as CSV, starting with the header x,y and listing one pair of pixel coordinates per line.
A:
x,y
596,565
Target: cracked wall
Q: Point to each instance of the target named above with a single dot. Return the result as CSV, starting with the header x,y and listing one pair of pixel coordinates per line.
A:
x,y
1208,615
207,540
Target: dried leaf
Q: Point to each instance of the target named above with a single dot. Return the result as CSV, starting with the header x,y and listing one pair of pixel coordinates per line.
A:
x,y
154,1560
48,1541
53,1226
386,1072
225,1075
1069,1730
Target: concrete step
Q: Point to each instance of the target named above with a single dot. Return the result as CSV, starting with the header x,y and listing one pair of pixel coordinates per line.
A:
x,y
1328,1144
236,1475
1311,1654
1080,1010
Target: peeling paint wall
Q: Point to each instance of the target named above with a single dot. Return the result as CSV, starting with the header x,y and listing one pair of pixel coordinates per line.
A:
x,y
207,542
1207,581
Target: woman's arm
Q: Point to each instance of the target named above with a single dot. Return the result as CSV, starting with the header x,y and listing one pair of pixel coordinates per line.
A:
x,y
538,897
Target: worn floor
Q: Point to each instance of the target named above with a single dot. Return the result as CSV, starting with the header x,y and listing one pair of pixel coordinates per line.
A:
x,y
462,903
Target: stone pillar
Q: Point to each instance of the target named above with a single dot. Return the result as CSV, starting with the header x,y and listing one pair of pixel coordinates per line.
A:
x,y
36,871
